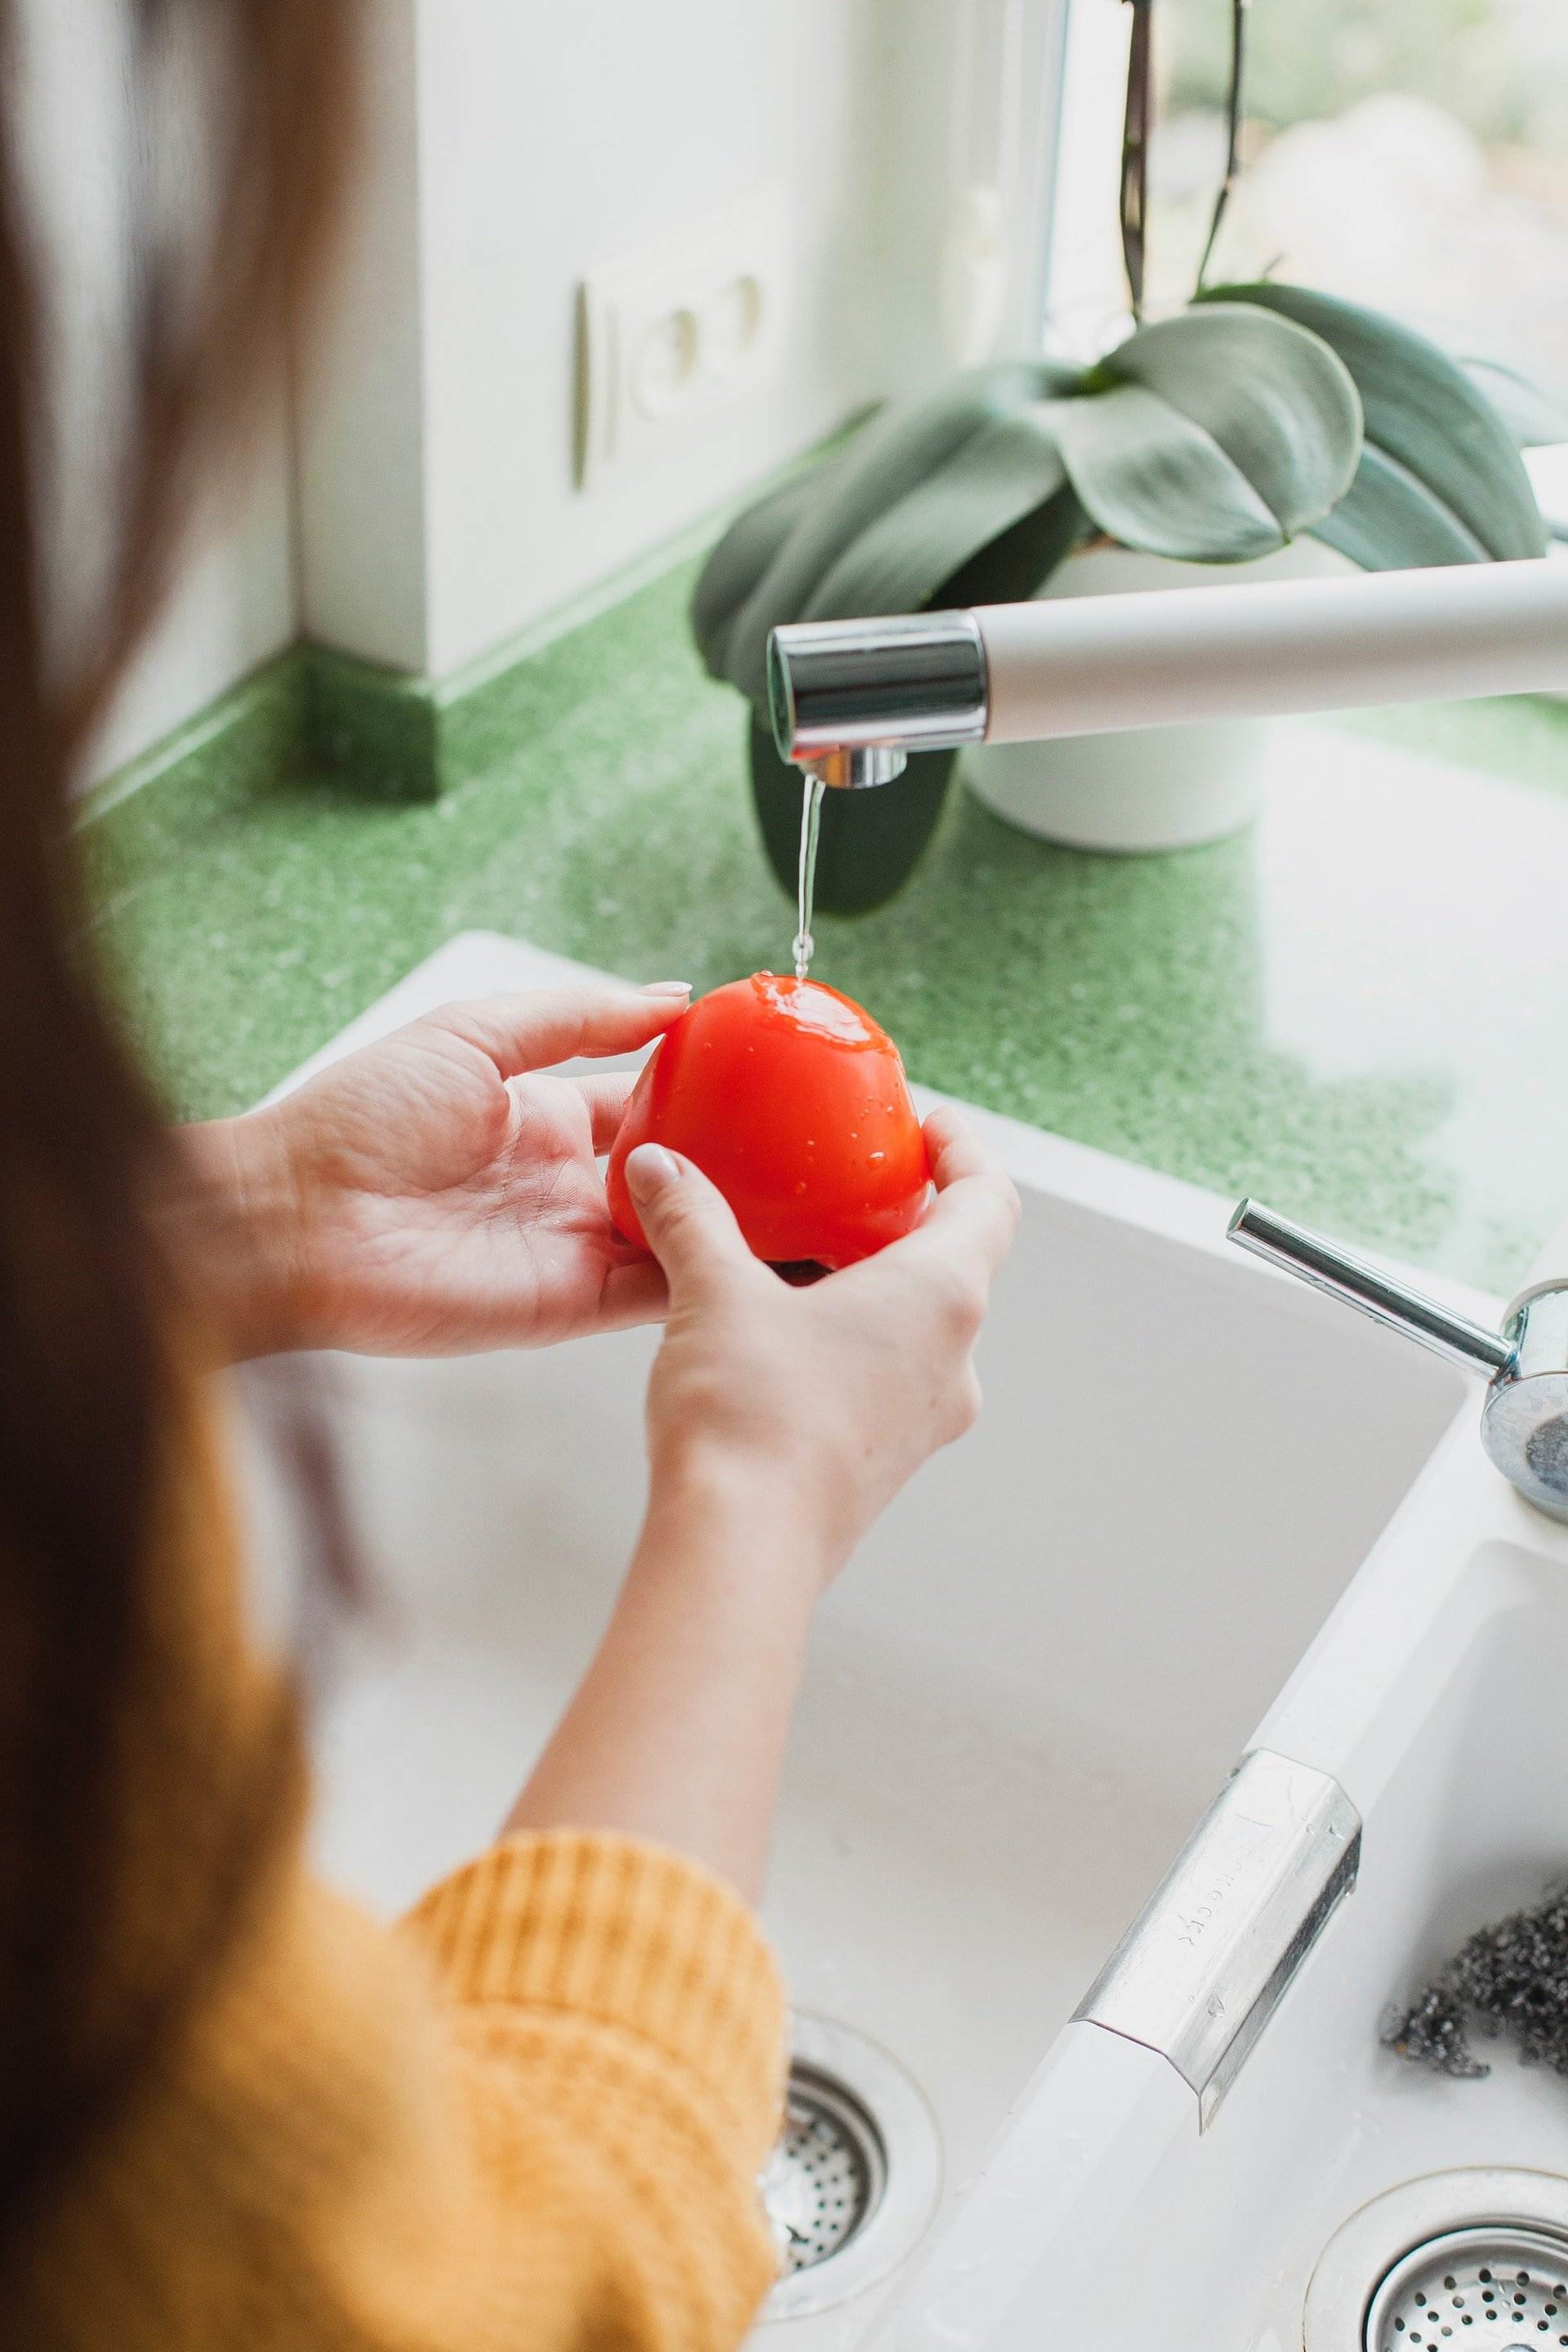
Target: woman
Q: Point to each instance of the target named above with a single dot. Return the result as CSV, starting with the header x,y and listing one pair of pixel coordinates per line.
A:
x,y
236,2111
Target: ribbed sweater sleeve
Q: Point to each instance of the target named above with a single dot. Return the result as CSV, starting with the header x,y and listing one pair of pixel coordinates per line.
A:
x,y
529,2117
620,1935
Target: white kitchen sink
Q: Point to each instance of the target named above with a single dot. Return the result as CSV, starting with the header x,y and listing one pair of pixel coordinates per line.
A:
x,y
1435,1697
1022,1694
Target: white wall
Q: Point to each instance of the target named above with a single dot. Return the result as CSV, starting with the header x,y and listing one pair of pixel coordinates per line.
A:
x,y
584,130
549,139
360,405
424,506
233,608
236,603
550,142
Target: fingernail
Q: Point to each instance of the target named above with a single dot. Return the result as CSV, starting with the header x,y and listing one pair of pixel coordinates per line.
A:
x,y
666,988
651,1168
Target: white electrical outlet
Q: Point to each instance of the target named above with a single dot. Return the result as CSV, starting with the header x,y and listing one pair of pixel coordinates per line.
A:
x,y
675,332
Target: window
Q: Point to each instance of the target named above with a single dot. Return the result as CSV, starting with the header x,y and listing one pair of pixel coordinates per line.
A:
x,y
1410,154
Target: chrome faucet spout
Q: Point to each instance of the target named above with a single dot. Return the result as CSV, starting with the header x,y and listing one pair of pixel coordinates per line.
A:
x,y
851,699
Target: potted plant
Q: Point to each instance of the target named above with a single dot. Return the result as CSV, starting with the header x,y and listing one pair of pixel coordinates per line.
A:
x,y
1259,419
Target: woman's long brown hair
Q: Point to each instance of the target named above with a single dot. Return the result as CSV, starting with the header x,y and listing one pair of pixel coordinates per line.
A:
x,y
85,1384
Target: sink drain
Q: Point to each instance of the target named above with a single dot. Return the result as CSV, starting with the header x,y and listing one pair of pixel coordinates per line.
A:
x,y
854,2179
1455,2259
1511,2284
827,2174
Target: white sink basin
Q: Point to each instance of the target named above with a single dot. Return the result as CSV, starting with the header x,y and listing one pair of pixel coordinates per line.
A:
x,y
1022,1694
1435,1697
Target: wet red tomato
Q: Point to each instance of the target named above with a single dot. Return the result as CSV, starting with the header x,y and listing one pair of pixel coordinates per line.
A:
x,y
792,1100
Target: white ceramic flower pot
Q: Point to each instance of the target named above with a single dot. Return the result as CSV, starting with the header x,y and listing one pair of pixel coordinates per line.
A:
x,y
1153,787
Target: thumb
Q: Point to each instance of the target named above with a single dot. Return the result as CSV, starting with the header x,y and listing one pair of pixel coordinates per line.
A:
x,y
688,1224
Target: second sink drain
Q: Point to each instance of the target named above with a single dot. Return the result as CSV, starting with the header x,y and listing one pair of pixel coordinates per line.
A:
x,y
1511,2284
1457,2259
855,2176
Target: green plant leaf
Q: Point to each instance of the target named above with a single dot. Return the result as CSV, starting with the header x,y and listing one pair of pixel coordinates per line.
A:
x,y
1017,565
896,455
743,553
1282,408
1211,441
1535,414
1004,472
1155,480
1389,507
1425,418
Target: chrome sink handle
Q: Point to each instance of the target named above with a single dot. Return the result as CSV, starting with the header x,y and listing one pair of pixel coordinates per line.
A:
x,y
1524,1419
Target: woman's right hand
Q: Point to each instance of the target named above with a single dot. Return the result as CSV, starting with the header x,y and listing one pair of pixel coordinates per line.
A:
x,y
779,1423
819,1402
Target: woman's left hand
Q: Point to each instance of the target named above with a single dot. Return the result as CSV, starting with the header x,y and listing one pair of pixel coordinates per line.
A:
x,y
437,1193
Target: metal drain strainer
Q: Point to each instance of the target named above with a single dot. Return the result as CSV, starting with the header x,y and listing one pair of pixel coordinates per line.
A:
x,y
1449,2263
826,2176
1503,2288
855,2176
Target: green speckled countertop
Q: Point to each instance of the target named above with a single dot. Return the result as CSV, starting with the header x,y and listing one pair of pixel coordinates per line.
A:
x,y
1358,1010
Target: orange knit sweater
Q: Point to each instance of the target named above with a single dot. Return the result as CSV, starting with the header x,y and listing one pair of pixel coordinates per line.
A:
x,y
530,2116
